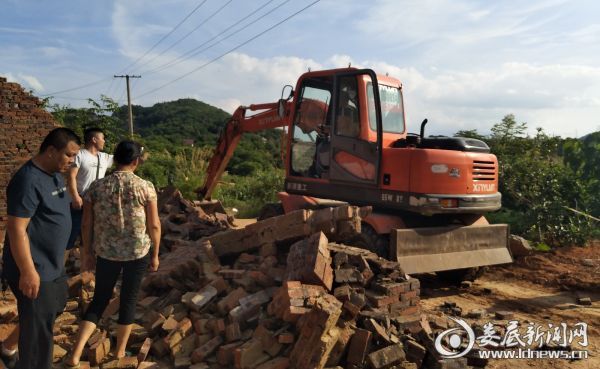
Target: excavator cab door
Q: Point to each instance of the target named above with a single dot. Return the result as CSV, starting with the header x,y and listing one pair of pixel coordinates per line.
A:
x,y
353,158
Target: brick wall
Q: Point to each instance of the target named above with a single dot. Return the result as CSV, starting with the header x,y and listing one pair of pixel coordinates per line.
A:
x,y
23,126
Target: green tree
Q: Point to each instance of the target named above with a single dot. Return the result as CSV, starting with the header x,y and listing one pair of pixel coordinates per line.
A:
x,y
470,133
99,114
537,187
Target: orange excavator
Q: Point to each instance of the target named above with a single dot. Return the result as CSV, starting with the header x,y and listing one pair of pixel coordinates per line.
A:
x,y
347,143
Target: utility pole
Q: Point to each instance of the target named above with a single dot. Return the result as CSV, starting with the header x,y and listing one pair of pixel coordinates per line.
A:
x,y
127,76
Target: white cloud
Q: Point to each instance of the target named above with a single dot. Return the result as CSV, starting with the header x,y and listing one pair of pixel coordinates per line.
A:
x,y
543,95
461,21
53,52
9,77
236,79
228,104
32,82
26,81
341,61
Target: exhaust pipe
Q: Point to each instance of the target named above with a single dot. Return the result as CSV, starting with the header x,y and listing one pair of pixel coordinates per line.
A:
x,y
423,128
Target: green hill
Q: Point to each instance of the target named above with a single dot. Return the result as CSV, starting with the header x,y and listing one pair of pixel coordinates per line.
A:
x,y
167,125
175,121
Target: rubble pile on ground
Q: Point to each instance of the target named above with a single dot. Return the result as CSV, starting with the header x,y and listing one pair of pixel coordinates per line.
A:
x,y
279,293
275,294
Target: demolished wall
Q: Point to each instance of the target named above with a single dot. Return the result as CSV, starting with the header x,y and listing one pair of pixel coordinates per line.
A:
x,y
24,124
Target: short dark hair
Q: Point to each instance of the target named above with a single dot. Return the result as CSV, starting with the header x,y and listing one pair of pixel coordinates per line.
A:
x,y
59,138
90,133
127,151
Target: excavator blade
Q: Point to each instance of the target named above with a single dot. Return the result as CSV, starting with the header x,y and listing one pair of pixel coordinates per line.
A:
x,y
423,250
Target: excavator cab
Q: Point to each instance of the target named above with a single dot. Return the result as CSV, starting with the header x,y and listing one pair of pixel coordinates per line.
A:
x,y
335,132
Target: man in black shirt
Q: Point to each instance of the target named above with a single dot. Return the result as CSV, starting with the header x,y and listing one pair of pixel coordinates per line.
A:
x,y
39,224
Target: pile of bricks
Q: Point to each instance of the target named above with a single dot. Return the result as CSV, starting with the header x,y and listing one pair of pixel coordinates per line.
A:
x,y
24,124
277,294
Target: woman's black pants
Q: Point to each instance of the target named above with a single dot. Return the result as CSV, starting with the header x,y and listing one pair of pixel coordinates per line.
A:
x,y
107,273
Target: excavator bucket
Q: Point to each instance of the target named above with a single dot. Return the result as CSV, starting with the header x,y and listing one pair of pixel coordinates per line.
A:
x,y
423,250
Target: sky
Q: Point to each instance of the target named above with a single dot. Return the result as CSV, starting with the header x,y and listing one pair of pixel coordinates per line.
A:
x,y
463,64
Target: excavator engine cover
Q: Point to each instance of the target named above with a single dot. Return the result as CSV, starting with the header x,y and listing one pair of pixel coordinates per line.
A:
x,y
423,250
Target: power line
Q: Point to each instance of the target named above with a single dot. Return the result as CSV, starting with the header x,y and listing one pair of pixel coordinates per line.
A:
x,y
108,90
130,65
231,50
195,51
165,36
188,34
77,88
68,98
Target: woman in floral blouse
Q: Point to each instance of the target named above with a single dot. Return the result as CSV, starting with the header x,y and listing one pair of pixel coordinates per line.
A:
x,y
121,227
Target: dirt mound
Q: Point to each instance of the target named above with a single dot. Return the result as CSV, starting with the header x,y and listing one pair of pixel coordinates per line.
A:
x,y
567,268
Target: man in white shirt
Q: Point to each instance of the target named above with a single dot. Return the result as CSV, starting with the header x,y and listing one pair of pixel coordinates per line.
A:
x,y
90,164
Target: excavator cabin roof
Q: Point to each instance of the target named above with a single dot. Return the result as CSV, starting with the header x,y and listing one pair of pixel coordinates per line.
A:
x,y
383,79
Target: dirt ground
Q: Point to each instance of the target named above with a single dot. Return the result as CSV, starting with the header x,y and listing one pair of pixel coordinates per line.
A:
x,y
542,288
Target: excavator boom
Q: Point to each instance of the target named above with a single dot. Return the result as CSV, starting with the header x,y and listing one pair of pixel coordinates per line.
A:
x,y
230,136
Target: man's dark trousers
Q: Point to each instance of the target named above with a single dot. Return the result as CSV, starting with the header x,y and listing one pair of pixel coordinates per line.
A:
x,y
36,322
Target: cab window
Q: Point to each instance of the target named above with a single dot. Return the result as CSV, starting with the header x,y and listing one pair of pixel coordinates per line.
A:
x,y
310,119
392,109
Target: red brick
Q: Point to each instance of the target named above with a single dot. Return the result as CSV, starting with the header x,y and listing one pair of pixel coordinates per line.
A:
x,y
159,348
127,362
219,327
232,273
269,342
359,346
233,332
153,322
170,324
98,351
378,331
386,357
112,308
231,300
277,363
380,300
198,300
351,310
96,336
250,354
318,333
144,350
147,302
220,284
309,260
225,355
285,338
340,348
204,351
246,258
201,326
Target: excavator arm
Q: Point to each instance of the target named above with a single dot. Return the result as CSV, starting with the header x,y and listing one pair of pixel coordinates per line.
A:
x,y
231,134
